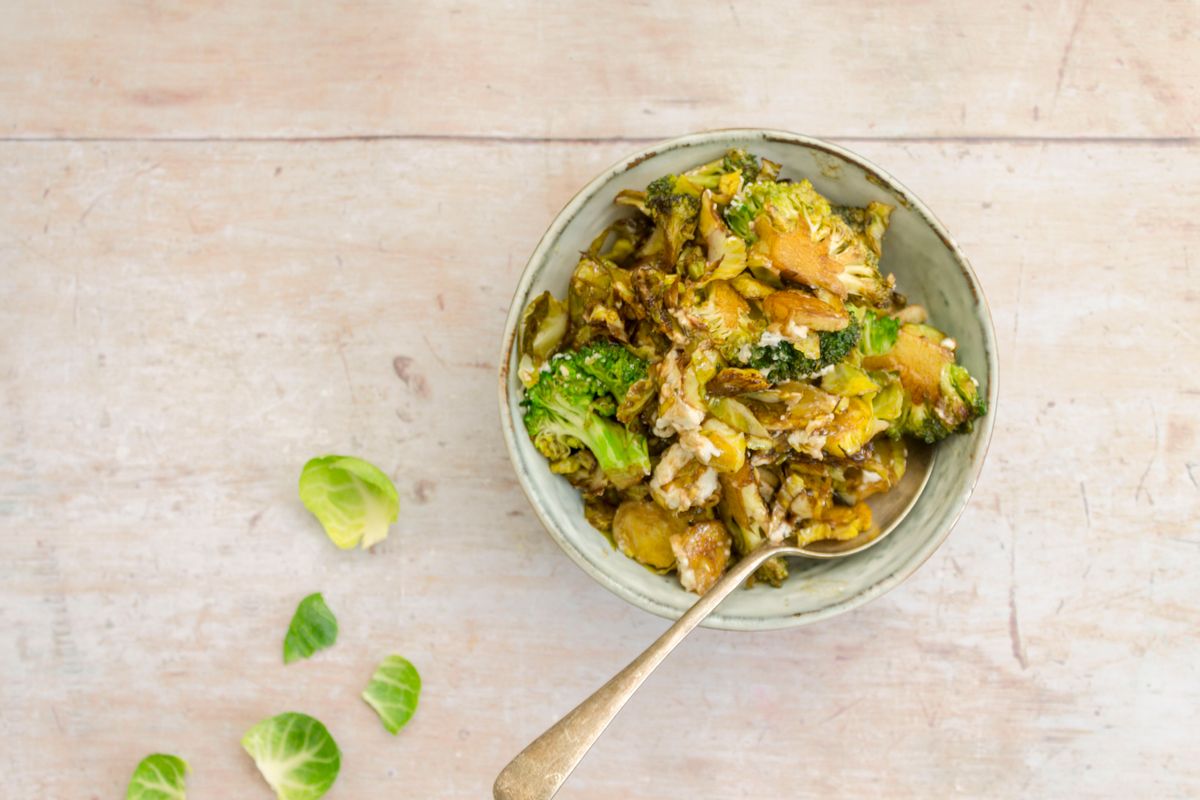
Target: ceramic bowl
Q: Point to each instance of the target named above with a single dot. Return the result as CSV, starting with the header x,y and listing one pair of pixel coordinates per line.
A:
x,y
929,269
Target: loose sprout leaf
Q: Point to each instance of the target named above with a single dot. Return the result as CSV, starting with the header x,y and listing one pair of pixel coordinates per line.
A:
x,y
295,754
393,692
879,333
313,628
354,501
158,777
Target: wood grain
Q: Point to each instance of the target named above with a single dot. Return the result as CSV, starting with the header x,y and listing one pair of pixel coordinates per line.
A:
x,y
599,69
183,324
238,235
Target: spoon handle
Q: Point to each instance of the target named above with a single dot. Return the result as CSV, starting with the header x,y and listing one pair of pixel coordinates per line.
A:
x,y
540,769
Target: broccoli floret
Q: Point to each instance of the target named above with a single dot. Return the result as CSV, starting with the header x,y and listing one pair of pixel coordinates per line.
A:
x,y
745,208
616,368
568,407
783,362
793,207
740,161
708,176
674,204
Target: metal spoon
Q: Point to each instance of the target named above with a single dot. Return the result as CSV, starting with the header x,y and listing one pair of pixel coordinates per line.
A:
x,y
540,769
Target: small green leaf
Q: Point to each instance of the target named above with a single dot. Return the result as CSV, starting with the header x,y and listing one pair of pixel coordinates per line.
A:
x,y
313,628
354,501
157,777
879,335
295,754
393,692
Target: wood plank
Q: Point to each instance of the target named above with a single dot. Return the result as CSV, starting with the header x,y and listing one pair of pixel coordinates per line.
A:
x,y
599,69
182,325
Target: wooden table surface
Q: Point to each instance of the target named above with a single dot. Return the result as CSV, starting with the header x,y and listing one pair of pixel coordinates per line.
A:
x,y
234,236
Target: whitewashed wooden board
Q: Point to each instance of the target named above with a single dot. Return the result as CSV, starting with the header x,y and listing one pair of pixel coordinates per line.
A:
x,y
183,323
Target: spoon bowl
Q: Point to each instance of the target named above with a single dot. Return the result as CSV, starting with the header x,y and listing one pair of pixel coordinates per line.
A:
x,y
540,769
887,508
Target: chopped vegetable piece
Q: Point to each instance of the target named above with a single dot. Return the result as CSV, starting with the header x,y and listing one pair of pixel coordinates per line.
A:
x,y
313,628
295,754
393,692
643,530
354,501
702,554
158,777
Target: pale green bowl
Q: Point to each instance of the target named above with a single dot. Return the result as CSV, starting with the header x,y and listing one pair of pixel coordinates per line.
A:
x,y
929,269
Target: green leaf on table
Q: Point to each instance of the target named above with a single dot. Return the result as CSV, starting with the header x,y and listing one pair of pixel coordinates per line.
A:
x,y
354,501
313,628
393,692
295,754
158,777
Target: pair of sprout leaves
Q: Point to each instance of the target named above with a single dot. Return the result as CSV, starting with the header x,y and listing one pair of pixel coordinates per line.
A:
x,y
355,503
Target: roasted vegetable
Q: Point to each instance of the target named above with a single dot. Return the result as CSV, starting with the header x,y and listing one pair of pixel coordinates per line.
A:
x,y
726,361
643,531
796,228
674,203
701,555
940,397
747,518
782,361
543,326
566,408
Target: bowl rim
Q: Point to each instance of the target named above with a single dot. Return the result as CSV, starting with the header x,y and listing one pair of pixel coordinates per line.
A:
x,y
537,261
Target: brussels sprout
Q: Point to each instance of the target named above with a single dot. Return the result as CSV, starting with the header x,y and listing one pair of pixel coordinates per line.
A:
x,y
313,628
599,514
592,300
725,315
733,381
295,754
726,252
738,416
888,402
582,471
848,381
806,492
158,777
643,530
877,468
940,397
632,198
636,398
393,692
620,241
750,287
743,509
701,555
853,425
652,290
354,501
543,326
840,523
729,442
798,257
792,309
